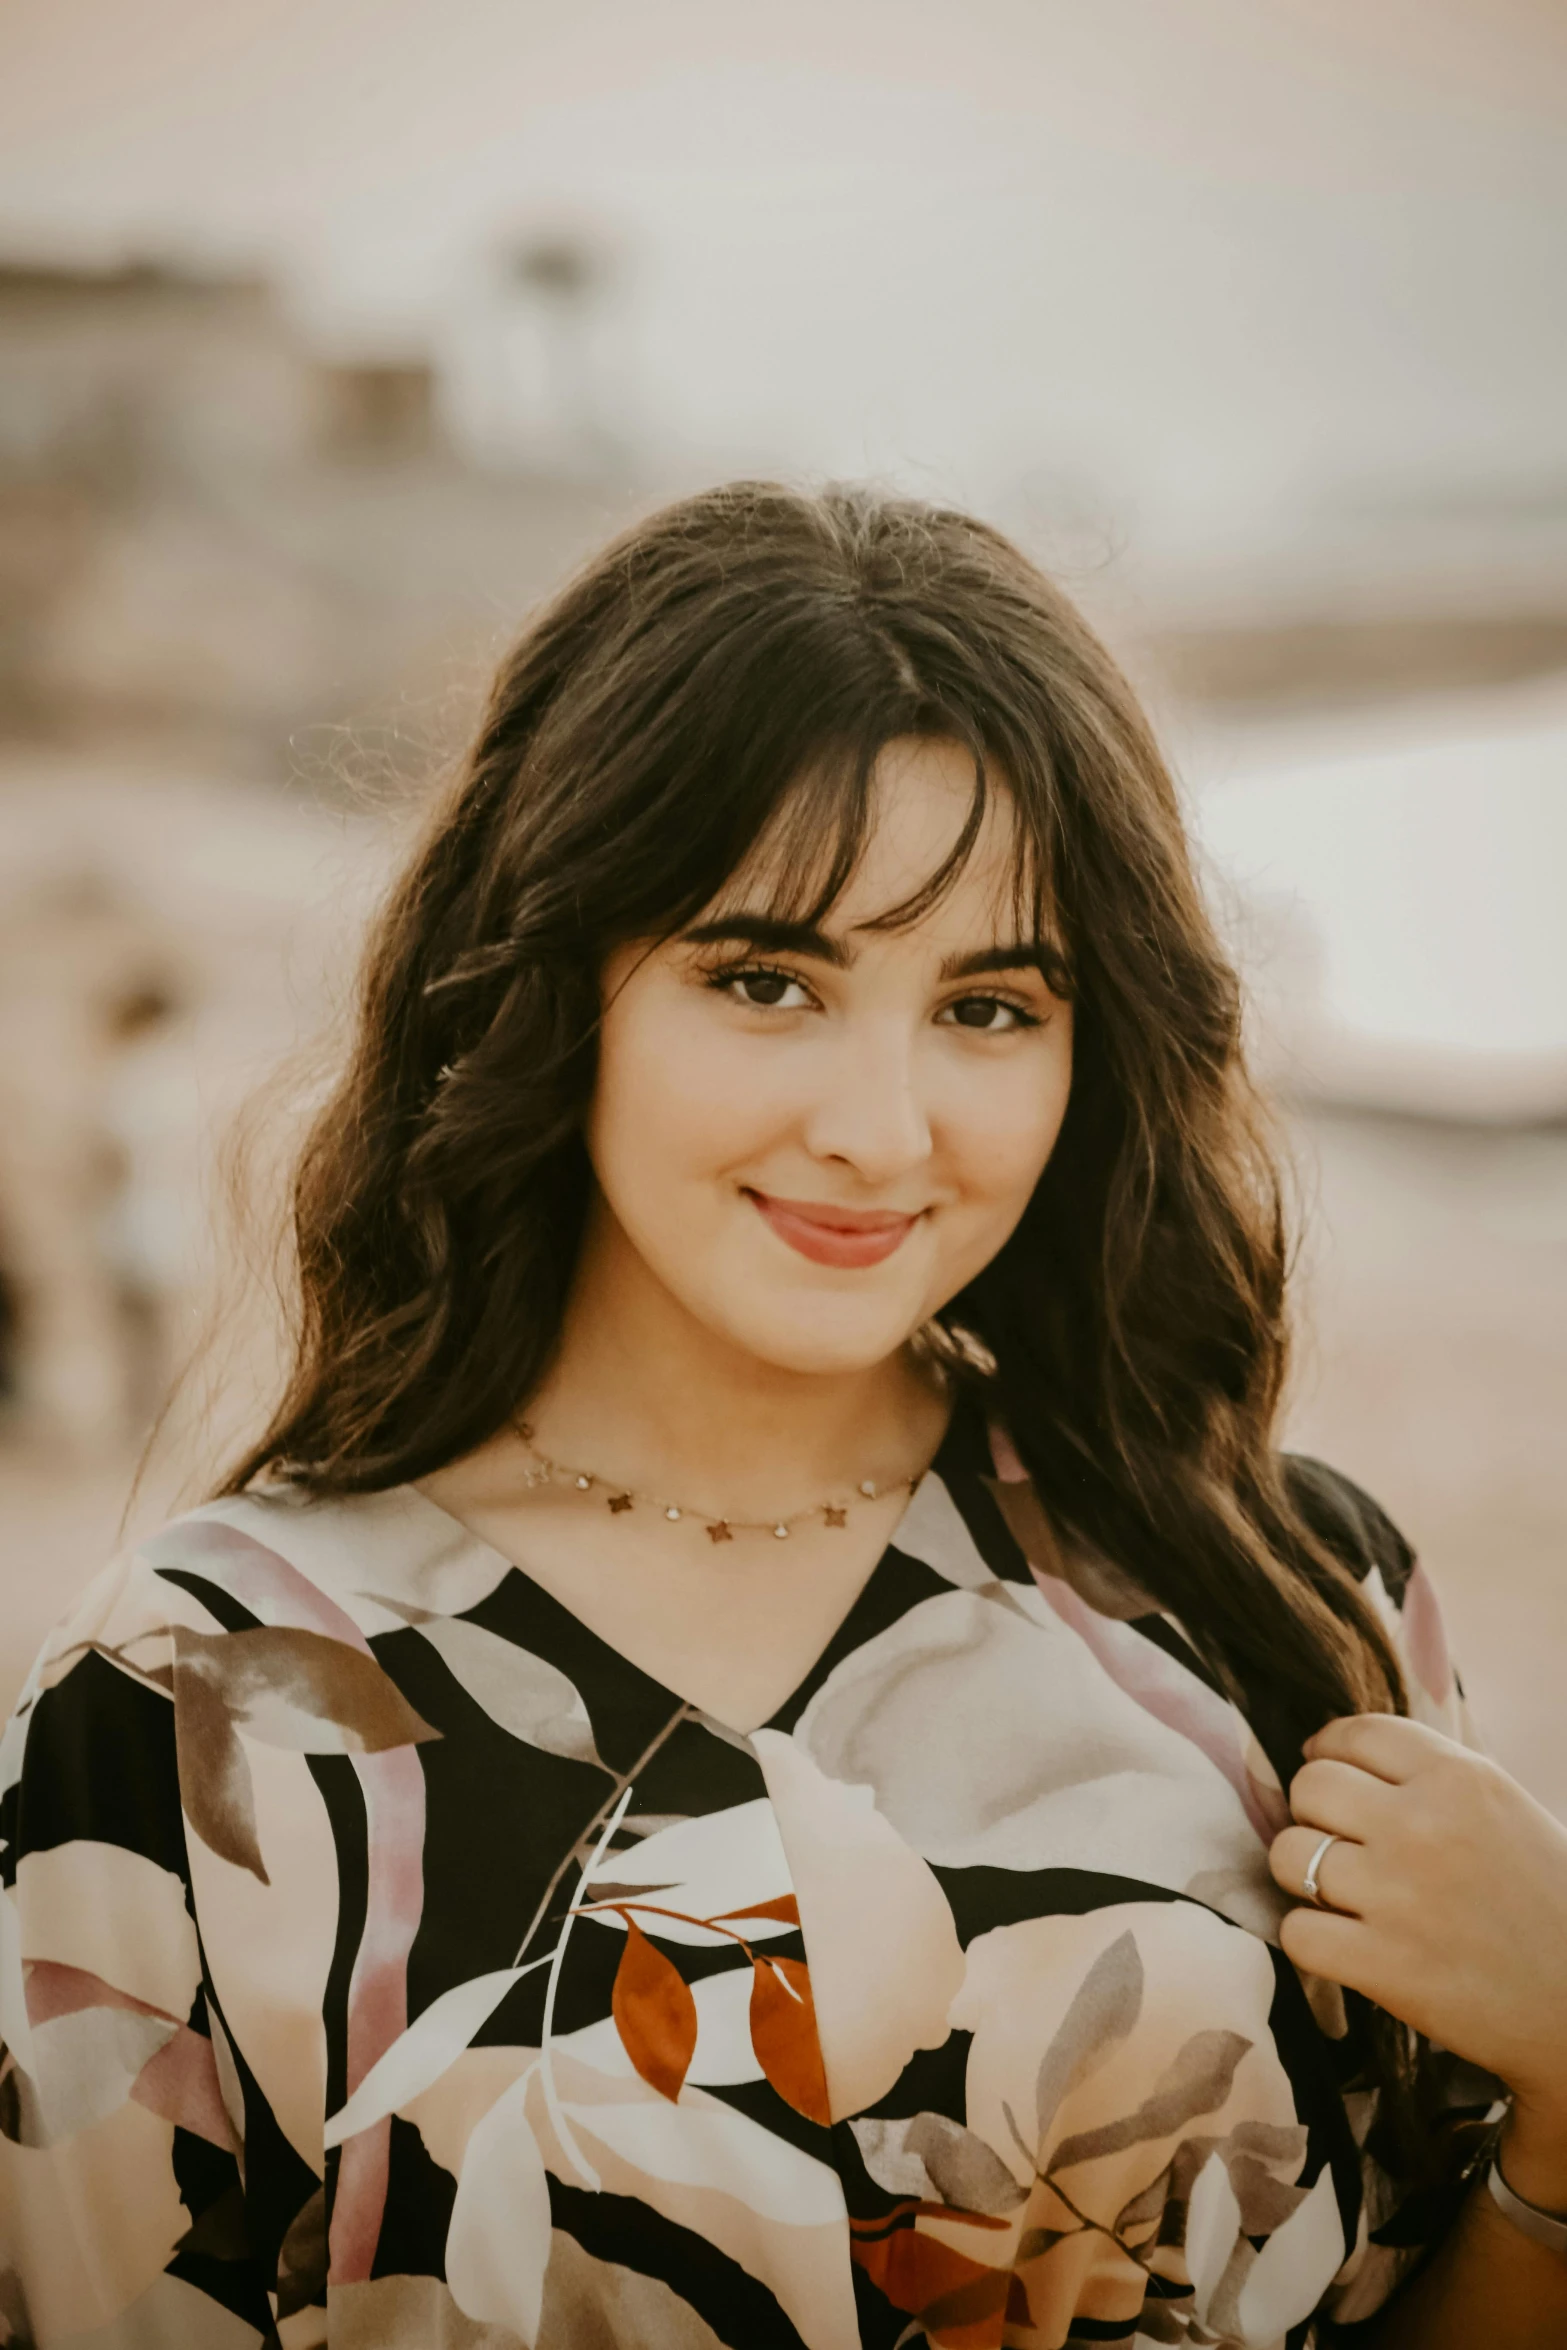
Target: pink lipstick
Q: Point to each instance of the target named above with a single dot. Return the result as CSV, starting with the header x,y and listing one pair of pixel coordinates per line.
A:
x,y
834,1236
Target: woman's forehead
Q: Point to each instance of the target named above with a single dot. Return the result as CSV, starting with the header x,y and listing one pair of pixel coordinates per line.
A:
x,y
930,844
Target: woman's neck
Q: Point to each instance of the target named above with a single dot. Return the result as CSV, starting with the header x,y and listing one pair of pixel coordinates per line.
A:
x,y
642,1391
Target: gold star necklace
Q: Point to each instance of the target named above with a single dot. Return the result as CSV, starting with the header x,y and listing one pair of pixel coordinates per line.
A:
x,y
541,1470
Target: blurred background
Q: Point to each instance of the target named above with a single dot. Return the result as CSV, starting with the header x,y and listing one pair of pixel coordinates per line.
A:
x,y
332,334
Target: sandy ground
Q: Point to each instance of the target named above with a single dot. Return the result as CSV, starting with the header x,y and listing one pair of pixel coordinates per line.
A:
x,y
1437,1376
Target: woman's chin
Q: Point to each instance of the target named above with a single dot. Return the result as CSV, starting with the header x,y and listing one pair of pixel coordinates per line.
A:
x,y
818,1336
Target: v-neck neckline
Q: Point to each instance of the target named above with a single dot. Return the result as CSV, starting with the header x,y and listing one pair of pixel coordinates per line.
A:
x,y
841,1640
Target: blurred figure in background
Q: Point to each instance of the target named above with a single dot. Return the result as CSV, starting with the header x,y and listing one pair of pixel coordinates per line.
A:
x,y
94,1163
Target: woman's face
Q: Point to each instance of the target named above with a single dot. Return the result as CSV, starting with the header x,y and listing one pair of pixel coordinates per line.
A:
x,y
808,1142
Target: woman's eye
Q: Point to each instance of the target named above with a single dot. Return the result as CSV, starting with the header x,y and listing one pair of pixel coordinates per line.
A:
x,y
993,1015
763,989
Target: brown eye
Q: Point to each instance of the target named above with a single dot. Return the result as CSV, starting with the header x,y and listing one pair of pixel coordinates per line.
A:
x,y
758,985
992,1015
763,987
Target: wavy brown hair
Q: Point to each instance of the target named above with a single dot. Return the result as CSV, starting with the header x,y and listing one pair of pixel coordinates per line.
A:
x,y
717,684
723,677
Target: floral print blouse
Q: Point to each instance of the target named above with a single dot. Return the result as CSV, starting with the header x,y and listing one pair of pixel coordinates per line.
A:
x,y
386,1962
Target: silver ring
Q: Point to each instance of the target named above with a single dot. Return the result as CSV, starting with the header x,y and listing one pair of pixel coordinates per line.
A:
x,y
1308,1884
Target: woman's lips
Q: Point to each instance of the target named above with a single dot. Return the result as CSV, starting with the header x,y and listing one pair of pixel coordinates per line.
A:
x,y
833,1236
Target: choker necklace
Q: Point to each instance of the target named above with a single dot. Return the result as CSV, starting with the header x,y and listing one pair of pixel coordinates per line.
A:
x,y
619,1498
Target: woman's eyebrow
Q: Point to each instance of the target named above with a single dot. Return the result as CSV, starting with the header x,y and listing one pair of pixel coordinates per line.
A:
x,y
1044,959
772,934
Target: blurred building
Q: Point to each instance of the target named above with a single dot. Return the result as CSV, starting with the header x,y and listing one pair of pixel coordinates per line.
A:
x,y
209,525
245,586
232,558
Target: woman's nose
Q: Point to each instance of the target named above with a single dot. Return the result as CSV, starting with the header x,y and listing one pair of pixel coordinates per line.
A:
x,y
870,1109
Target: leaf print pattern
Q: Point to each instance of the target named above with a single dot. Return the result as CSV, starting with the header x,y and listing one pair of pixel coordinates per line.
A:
x,y
215,1778
956,2300
1099,2018
654,2013
384,1959
896,1716
783,2033
1197,2082
524,1695
299,1689
498,2245
285,1687
963,2171
425,2051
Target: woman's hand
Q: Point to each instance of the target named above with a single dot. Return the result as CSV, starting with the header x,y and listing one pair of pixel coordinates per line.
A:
x,y
1446,1904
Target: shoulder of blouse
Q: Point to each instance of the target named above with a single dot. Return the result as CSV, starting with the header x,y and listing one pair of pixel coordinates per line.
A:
x,y
350,1565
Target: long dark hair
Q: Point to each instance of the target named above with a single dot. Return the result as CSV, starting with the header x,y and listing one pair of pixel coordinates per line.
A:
x,y
728,671
725,674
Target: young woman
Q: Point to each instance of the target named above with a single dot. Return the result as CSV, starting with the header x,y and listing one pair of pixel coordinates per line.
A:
x,y
723,1771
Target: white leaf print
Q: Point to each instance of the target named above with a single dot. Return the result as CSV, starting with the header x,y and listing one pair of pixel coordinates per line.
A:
x,y
703,1868
725,2054
1294,2268
498,2244
523,1693
1213,2222
419,2056
1071,1773
701,2143
886,1962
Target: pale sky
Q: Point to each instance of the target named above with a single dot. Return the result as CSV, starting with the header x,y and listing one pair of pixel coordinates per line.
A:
x,y
1206,262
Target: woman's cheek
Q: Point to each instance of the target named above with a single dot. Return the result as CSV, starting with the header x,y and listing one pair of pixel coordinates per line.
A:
x,y
673,1089
1006,1129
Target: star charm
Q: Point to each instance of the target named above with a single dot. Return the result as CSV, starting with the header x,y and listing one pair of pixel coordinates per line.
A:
x,y
718,1531
835,1517
619,1502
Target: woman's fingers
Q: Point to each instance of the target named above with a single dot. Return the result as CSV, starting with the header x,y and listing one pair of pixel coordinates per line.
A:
x,y
1332,1795
1341,1796
1445,1888
1387,1745
1341,1872
1320,1942
1344,1795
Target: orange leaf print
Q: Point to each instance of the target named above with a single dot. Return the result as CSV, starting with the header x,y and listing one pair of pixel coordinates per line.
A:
x,y
783,2033
654,2013
783,1907
959,2303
